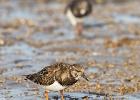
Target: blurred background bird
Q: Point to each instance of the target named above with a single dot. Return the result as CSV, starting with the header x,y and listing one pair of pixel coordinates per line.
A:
x,y
76,10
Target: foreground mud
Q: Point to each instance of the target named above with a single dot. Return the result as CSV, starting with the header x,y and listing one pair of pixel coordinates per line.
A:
x,y
109,48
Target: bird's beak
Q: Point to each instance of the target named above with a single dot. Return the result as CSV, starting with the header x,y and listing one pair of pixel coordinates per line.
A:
x,y
85,77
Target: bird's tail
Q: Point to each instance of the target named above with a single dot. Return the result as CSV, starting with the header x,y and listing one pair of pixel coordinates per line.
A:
x,y
26,77
31,77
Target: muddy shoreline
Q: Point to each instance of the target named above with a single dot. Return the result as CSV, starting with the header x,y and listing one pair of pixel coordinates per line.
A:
x,y
109,49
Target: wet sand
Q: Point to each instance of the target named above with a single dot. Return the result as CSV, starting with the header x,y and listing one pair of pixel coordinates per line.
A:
x,y
35,34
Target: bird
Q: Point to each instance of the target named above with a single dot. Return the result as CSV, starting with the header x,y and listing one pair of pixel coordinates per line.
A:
x,y
57,77
76,10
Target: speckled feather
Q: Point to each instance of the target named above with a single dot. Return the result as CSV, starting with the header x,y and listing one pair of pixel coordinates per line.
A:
x,y
57,72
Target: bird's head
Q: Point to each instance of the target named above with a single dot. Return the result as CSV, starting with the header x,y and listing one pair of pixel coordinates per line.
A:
x,y
77,72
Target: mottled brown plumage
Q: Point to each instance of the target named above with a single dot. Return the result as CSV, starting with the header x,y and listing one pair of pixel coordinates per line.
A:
x,y
57,77
60,72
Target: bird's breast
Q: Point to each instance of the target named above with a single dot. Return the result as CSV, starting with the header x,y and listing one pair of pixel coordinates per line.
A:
x,y
55,87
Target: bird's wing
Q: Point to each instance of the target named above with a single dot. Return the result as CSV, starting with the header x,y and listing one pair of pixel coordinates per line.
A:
x,y
44,77
47,75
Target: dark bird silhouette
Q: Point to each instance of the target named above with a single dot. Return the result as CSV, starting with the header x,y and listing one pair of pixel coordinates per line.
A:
x,y
76,10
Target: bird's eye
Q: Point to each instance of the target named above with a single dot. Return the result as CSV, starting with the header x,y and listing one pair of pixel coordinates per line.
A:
x,y
76,75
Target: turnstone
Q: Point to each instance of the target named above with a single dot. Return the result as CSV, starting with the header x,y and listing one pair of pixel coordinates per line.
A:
x,y
57,77
76,10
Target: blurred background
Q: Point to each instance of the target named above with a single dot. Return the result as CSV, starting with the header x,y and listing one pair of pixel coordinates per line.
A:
x,y
37,33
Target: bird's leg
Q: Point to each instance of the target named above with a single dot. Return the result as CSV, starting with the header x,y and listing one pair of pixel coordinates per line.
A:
x,y
79,28
62,94
46,95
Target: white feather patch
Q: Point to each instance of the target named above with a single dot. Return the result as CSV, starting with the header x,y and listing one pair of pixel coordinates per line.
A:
x,y
55,87
72,18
